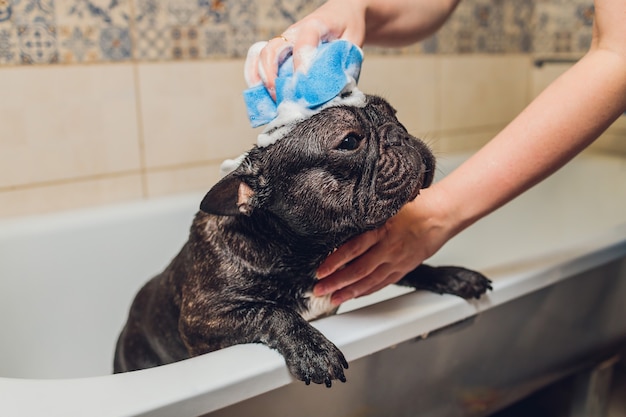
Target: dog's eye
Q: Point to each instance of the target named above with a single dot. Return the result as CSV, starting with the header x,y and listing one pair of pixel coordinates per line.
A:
x,y
350,142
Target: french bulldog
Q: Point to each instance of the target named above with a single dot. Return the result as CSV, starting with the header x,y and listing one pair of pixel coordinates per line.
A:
x,y
246,273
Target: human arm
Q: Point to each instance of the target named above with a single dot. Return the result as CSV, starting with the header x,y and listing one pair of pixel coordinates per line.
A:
x,y
564,119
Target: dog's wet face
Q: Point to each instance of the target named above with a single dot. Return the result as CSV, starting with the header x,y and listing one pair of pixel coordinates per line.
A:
x,y
341,172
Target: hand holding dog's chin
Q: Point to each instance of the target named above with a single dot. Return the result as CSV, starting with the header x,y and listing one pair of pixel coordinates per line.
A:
x,y
375,259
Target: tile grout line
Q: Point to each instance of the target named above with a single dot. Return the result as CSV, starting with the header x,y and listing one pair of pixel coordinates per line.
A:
x,y
141,141
66,181
212,163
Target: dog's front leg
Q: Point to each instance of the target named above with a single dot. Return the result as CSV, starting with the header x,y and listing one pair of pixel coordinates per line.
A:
x,y
309,355
453,280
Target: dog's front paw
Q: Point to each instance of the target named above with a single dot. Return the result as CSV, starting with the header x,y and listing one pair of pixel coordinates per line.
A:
x,y
454,280
462,282
320,362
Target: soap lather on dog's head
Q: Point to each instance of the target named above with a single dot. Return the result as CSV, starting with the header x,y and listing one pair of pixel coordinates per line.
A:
x,y
361,157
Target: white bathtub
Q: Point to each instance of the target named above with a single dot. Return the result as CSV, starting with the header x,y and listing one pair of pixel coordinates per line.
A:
x,y
556,256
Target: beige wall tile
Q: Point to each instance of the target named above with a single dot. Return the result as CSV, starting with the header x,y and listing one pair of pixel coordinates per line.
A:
x,y
619,126
69,195
481,90
182,179
66,122
613,141
615,137
193,112
542,76
410,84
468,141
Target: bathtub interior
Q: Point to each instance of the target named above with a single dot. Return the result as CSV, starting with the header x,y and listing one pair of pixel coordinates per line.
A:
x,y
67,279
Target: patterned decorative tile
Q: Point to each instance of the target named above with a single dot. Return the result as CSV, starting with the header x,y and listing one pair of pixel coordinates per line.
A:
x,y
94,30
487,26
83,31
78,44
291,10
35,30
9,51
181,29
562,26
244,27
276,15
37,43
6,10
152,43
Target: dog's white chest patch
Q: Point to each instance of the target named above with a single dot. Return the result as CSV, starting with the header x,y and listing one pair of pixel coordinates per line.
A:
x,y
318,307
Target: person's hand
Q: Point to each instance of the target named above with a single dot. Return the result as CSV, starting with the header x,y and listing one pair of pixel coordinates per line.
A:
x,y
383,256
335,19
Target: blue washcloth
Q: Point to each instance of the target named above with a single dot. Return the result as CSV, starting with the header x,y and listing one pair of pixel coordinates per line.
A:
x,y
333,65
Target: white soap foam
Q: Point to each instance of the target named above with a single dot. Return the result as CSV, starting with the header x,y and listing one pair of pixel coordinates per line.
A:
x,y
229,165
252,69
306,54
292,113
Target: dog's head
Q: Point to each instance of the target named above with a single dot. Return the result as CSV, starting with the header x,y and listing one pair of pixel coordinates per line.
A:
x,y
338,173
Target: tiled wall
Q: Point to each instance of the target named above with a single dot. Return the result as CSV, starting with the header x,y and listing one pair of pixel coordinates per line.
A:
x,y
112,100
103,31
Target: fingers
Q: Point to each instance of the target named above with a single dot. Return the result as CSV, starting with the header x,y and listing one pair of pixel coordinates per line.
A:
x,y
380,278
390,279
306,37
371,267
300,39
373,260
347,253
360,270
273,53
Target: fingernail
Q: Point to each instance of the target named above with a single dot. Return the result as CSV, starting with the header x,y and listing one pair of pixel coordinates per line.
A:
x,y
319,290
336,300
321,273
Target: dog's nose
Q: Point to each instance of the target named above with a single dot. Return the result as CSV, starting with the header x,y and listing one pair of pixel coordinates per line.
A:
x,y
393,134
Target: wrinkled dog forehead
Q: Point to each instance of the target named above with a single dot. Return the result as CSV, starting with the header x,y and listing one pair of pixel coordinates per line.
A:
x,y
376,112
379,110
343,119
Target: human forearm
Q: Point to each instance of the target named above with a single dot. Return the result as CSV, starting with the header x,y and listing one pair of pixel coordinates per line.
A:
x,y
401,22
565,118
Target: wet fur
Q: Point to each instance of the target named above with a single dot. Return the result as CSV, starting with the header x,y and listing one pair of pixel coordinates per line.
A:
x,y
247,272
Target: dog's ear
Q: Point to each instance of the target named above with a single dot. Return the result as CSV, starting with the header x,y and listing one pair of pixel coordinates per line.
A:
x,y
229,197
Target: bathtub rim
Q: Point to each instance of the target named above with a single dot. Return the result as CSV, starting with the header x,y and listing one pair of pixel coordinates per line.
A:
x,y
255,369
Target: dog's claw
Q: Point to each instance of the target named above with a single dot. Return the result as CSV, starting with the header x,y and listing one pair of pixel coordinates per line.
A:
x,y
320,366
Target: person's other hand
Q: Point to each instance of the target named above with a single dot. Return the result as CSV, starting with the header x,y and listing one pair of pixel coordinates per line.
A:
x,y
383,256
